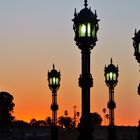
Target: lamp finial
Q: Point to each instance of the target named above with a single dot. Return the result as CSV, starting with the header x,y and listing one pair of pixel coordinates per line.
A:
x,y
135,31
75,14
53,66
111,61
85,4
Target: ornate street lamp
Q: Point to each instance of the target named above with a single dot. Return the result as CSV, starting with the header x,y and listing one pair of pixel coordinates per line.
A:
x,y
136,45
111,79
85,27
54,84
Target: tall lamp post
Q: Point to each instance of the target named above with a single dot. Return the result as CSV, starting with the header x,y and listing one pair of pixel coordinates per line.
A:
x,y
85,27
111,79
54,84
136,45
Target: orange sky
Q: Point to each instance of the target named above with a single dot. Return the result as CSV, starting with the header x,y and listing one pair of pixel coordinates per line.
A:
x,y
35,34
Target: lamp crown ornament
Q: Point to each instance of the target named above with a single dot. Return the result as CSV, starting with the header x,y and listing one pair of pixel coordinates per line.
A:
x,y
85,27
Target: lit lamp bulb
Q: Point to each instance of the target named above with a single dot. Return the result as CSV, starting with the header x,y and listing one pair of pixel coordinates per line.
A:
x,y
139,48
111,76
82,30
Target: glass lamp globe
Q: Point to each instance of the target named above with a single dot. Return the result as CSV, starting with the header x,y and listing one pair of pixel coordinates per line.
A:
x,y
54,79
111,75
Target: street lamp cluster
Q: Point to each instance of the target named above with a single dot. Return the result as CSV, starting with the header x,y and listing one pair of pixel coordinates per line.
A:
x,y
85,26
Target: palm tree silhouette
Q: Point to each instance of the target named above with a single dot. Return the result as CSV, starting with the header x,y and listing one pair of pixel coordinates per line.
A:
x,y
104,111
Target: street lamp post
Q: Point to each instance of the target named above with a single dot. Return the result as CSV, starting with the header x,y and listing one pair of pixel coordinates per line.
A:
x,y
111,79
54,84
85,27
136,45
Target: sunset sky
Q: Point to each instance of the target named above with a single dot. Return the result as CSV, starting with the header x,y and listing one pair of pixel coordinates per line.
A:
x,y
34,34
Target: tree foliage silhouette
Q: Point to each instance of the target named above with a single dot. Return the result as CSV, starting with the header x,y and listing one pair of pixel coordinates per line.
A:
x,y
20,123
6,109
46,122
65,122
96,119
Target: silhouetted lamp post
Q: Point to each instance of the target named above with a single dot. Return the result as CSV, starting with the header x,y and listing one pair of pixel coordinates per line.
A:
x,y
54,84
111,79
136,45
85,27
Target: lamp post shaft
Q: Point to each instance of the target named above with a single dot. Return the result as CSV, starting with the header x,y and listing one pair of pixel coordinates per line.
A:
x,y
85,85
111,109
85,82
54,111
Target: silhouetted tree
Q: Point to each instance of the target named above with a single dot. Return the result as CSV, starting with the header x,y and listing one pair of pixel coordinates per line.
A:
x,y
19,123
104,111
65,122
33,122
66,113
61,121
48,121
6,109
41,123
107,117
96,119
68,122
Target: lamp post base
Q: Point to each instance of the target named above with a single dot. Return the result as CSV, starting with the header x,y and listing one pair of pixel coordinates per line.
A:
x,y
54,132
111,133
85,129
138,130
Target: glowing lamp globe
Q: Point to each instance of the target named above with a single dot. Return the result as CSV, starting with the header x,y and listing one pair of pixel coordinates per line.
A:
x,y
54,79
111,75
85,27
